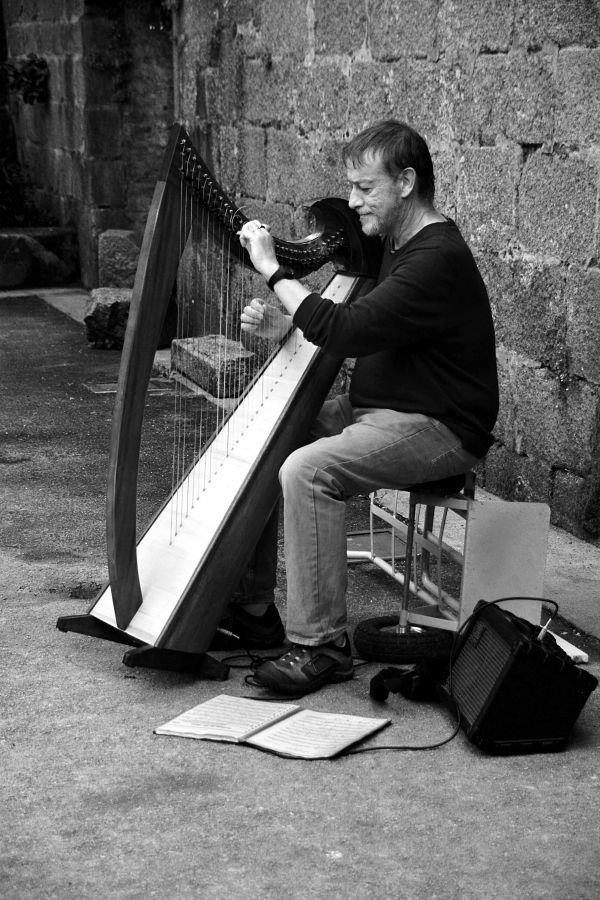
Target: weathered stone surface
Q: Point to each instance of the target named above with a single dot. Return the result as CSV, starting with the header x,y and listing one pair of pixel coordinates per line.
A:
x,y
369,85
548,418
323,97
403,28
252,163
529,308
37,256
583,323
556,199
513,96
414,91
118,254
488,178
106,317
575,22
576,505
339,29
219,366
578,110
477,25
515,477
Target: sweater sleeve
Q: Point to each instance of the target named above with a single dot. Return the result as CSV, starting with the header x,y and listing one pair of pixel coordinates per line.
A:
x,y
407,307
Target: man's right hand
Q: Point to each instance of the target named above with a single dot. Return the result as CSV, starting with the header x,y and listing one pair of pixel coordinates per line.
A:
x,y
260,319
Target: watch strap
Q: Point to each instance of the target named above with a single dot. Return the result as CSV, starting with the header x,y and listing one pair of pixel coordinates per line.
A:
x,y
279,274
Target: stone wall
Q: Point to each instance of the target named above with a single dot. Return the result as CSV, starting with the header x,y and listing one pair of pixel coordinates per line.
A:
x,y
507,95
93,150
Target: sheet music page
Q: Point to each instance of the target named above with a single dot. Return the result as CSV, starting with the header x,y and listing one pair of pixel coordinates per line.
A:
x,y
315,735
226,718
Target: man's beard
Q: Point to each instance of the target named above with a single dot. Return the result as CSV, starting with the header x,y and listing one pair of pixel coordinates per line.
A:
x,y
373,224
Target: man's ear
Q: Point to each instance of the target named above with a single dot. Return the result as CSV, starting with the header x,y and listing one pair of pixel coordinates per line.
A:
x,y
407,180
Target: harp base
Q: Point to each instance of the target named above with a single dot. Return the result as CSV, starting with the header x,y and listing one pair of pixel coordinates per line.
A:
x,y
200,664
145,655
95,628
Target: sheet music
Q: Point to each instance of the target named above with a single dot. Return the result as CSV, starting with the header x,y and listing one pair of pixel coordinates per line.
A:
x,y
226,718
314,735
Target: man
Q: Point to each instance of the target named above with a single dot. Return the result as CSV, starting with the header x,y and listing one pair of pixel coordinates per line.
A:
x,y
423,397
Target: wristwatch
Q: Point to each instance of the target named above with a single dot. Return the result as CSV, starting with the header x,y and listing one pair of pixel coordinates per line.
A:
x,y
278,274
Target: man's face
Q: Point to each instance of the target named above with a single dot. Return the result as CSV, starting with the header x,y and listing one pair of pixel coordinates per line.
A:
x,y
375,195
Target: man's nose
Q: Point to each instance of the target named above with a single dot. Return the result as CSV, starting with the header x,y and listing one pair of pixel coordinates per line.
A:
x,y
354,200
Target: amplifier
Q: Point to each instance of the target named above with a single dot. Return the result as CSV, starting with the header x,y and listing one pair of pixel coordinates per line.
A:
x,y
515,693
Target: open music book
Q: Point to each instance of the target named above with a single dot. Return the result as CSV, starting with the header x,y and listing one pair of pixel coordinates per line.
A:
x,y
281,728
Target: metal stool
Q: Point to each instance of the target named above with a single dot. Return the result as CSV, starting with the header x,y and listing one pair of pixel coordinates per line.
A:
x,y
427,628
442,609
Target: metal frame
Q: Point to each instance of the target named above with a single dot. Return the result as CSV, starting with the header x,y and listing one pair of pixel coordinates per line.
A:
x,y
439,608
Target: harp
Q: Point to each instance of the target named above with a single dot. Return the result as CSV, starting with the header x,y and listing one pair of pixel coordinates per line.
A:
x,y
168,589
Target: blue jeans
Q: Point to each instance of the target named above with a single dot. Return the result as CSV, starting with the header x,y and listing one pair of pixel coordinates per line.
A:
x,y
353,451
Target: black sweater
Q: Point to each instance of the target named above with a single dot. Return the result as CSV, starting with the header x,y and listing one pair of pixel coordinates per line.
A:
x,y
423,336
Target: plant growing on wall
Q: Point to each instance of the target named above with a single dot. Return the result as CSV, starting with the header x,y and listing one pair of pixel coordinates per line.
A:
x,y
29,78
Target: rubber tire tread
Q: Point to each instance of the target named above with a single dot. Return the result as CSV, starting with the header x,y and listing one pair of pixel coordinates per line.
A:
x,y
373,642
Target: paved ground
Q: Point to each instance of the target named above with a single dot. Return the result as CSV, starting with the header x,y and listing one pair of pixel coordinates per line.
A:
x,y
94,805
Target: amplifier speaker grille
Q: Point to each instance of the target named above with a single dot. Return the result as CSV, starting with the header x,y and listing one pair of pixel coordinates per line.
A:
x,y
514,693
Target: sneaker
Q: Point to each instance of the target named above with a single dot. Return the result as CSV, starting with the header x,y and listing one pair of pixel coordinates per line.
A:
x,y
239,629
302,669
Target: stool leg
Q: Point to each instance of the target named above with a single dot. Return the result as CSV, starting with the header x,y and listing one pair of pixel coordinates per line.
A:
x,y
410,532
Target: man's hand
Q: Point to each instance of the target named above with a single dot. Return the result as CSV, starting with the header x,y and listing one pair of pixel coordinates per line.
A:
x,y
256,239
262,320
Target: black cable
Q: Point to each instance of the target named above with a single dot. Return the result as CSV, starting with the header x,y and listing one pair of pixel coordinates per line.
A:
x,y
475,614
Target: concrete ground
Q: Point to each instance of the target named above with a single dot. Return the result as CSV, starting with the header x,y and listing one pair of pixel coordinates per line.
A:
x,y
94,805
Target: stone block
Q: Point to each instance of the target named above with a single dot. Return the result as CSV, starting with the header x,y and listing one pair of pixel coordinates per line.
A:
x,y
267,92
218,365
445,167
67,131
227,170
99,83
405,28
323,97
103,131
546,21
69,36
287,35
106,317
500,474
578,107
517,478
35,122
105,183
575,505
52,10
529,308
369,94
118,254
252,162
37,256
481,26
513,96
415,96
556,196
339,29
548,419
299,170
583,323
487,185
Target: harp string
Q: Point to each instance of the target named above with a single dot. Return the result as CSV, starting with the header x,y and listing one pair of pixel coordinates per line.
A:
x,y
213,287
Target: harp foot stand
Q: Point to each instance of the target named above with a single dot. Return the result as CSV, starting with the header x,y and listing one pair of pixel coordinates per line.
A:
x,y
200,664
95,628
145,655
